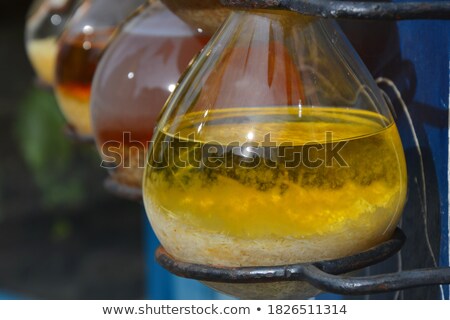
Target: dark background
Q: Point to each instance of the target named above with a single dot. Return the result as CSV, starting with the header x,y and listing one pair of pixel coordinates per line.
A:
x,y
62,236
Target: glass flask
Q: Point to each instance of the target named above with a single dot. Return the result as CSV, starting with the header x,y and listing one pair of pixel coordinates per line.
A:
x,y
276,148
133,81
80,49
45,23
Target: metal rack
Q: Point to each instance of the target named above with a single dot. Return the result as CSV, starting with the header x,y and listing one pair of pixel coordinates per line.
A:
x,y
324,275
372,10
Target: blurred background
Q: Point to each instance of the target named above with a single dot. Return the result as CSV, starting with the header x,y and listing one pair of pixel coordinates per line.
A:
x,y
62,236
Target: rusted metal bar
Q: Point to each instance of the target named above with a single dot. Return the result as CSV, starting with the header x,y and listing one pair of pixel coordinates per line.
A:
x,y
368,10
324,275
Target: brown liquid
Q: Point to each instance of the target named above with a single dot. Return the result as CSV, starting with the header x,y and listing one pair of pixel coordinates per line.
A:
x,y
132,105
134,80
77,61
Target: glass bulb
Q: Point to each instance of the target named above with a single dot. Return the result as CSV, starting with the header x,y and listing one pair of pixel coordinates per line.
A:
x,y
276,148
133,81
45,22
80,49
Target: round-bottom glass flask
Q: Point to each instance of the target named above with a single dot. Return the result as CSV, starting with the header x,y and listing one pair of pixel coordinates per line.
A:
x,y
133,81
276,148
45,23
80,49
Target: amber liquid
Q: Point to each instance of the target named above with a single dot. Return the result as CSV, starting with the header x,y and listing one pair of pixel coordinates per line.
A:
x,y
135,78
135,110
77,61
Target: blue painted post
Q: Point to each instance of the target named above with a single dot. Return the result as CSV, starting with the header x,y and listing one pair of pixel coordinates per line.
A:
x,y
414,55
425,46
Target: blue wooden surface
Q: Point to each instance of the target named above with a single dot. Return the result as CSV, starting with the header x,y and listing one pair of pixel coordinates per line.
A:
x,y
425,44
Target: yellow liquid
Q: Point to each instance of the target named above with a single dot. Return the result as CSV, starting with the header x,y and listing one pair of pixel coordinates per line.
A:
x,y
42,53
285,195
76,109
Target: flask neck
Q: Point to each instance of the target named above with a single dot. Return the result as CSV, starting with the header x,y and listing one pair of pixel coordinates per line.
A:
x,y
207,15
